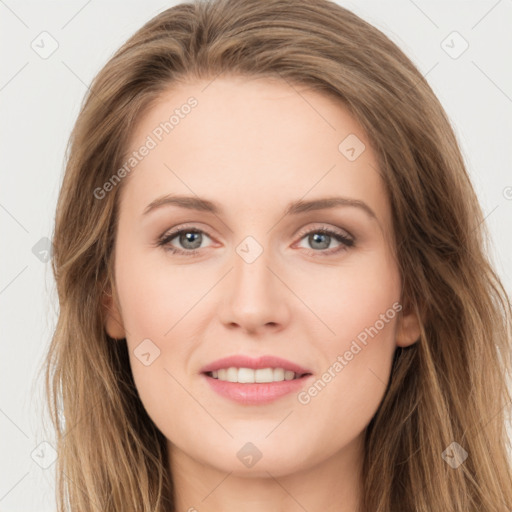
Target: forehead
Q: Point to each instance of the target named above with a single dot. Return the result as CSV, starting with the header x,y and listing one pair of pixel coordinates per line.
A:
x,y
253,143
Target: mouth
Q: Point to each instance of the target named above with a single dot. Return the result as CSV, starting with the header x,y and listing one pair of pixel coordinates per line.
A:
x,y
255,381
250,387
255,376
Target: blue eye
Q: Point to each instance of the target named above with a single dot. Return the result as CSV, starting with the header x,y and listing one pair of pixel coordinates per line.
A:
x,y
322,238
191,240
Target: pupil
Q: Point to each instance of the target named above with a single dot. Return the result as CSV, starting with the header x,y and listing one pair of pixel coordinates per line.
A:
x,y
316,236
188,238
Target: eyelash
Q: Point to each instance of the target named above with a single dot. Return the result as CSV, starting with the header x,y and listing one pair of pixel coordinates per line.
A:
x,y
345,241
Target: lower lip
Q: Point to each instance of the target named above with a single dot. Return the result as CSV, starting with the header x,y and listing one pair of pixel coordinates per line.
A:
x,y
256,393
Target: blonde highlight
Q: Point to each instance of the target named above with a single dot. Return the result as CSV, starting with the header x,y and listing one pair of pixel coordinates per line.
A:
x,y
111,455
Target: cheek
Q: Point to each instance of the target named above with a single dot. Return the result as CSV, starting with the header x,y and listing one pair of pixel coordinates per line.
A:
x,y
154,297
354,379
356,297
160,302
154,301
358,351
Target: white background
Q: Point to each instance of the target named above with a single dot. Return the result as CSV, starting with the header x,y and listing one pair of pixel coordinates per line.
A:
x,y
39,102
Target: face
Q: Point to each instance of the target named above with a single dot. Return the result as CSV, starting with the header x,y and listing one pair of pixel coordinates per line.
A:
x,y
254,265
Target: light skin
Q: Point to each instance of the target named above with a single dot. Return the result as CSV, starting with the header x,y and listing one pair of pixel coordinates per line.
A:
x,y
253,146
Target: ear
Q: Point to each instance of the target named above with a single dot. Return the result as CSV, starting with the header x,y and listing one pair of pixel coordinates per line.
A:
x,y
112,316
408,329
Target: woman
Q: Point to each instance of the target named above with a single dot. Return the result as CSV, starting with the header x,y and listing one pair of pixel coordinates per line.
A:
x,y
209,355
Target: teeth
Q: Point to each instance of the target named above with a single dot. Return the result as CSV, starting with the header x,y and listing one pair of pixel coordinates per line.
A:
x,y
248,375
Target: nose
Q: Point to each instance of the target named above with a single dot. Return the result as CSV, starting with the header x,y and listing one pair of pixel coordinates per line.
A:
x,y
255,297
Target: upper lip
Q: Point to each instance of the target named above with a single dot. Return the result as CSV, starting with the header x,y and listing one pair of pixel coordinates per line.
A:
x,y
242,361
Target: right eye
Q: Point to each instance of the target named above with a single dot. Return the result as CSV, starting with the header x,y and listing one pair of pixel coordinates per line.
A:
x,y
189,238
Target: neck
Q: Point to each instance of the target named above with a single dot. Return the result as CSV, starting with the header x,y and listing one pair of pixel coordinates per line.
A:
x,y
330,485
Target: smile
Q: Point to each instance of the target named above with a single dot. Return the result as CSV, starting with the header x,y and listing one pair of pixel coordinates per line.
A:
x,y
249,375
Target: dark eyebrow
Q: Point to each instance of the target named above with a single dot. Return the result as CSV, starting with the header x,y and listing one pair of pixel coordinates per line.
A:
x,y
294,208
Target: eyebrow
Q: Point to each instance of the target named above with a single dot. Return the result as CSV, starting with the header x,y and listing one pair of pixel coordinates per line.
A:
x,y
294,208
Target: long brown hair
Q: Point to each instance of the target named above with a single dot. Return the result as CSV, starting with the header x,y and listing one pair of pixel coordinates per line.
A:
x,y
448,387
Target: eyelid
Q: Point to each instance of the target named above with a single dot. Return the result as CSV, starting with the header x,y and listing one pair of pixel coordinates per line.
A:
x,y
325,227
303,231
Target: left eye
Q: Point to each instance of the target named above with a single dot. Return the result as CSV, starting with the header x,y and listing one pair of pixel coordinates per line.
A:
x,y
191,240
323,237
